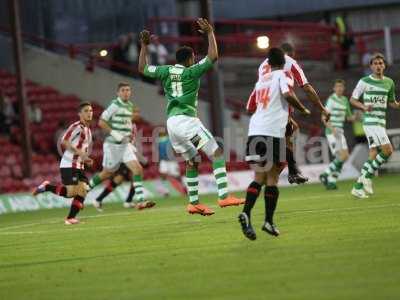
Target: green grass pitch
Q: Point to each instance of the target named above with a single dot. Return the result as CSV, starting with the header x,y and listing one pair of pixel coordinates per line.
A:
x,y
331,247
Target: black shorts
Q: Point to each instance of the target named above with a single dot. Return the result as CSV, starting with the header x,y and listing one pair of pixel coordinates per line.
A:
x,y
124,172
261,149
72,176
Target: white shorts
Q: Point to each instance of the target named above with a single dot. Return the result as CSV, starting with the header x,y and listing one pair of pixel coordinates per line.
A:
x,y
337,142
169,167
376,136
188,135
115,154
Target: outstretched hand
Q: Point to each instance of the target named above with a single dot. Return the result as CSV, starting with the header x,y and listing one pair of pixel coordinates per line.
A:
x,y
204,26
145,37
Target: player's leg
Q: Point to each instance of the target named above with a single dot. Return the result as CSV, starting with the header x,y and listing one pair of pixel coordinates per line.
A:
x,y
323,177
112,157
183,132
162,185
372,165
358,187
337,164
130,160
192,182
294,175
377,140
77,203
215,153
271,195
252,193
335,167
100,177
63,190
110,186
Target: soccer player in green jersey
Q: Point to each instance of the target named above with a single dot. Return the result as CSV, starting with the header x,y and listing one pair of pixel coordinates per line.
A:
x,y
181,83
339,107
116,122
377,91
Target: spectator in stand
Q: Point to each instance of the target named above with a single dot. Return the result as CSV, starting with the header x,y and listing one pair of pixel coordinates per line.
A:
x,y
345,40
61,127
2,117
132,53
158,55
8,115
119,56
158,52
366,58
35,113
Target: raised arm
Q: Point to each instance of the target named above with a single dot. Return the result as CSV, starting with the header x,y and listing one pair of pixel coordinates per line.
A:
x,y
292,99
144,42
205,27
314,98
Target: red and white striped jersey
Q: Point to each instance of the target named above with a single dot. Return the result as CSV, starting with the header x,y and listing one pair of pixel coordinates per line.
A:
x,y
292,70
80,137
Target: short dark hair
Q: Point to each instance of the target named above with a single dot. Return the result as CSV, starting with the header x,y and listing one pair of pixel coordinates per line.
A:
x,y
83,105
183,54
287,48
341,81
377,55
122,84
276,57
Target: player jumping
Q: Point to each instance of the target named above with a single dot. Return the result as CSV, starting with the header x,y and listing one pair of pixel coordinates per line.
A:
x,y
77,142
188,135
266,141
296,73
116,121
339,107
377,91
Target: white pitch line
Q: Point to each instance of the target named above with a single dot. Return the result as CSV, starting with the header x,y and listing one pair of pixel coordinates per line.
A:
x,y
178,222
174,208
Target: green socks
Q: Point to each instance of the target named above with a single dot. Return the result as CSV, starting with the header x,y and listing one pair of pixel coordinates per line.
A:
x,y
138,185
192,181
334,169
95,180
370,166
219,171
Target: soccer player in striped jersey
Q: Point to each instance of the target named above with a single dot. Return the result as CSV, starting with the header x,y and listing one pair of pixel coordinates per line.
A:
x,y
292,69
124,174
377,92
76,142
266,140
339,107
187,134
116,122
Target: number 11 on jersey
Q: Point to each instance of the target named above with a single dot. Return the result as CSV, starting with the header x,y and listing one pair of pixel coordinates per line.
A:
x,y
177,90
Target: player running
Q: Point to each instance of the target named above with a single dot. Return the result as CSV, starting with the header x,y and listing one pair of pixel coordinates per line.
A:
x,y
76,142
266,141
121,175
339,107
296,73
377,91
188,135
116,121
